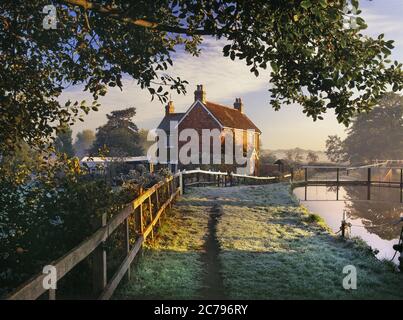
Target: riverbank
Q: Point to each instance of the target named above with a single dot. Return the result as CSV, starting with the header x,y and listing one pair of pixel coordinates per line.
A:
x,y
253,242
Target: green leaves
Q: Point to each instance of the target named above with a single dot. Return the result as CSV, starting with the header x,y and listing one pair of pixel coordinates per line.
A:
x,y
274,66
306,4
323,3
119,135
303,41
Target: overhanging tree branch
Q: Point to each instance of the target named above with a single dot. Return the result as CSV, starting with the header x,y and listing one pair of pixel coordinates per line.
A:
x,y
112,12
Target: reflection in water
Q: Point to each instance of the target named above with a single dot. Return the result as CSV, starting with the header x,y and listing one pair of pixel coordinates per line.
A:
x,y
374,221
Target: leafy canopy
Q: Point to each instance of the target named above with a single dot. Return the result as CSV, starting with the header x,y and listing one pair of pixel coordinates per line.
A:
x,y
119,136
314,59
84,141
64,141
376,135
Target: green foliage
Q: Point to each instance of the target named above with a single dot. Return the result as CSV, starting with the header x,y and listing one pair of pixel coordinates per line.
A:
x,y
374,135
377,134
334,149
46,210
143,142
314,218
83,143
119,135
142,177
64,141
314,59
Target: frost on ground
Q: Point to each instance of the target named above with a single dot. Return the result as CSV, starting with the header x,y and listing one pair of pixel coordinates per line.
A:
x,y
170,267
271,248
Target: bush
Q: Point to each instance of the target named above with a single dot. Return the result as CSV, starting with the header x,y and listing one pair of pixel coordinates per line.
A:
x,y
46,210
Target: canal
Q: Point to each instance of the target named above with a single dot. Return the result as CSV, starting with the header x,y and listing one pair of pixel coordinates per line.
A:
x,y
375,220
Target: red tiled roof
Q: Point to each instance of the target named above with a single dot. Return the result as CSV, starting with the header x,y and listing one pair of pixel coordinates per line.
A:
x,y
230,117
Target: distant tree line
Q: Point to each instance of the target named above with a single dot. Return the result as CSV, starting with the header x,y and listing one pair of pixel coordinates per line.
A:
x,y
377,134
119,137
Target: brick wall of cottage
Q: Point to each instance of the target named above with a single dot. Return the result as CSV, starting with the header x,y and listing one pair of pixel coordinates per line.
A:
x,y
198,119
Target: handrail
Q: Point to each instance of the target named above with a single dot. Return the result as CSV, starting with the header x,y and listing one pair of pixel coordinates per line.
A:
x,y
203,171
253,177
232,174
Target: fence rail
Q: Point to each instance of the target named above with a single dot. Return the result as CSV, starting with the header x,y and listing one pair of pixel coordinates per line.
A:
x,y
373,175
146,210
164,193
194,178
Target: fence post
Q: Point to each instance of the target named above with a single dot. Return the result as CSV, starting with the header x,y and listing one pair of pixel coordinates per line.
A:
x,y
180,184
127,242
157,198
139,218
168,190
338,175
99,267
337,183
150,211
369,184
343,224
306,175
401,187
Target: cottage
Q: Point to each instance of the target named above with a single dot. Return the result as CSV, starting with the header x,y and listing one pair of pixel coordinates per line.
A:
x,y
236,132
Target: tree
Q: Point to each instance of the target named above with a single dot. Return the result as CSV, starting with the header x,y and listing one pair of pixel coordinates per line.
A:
x,y
334,149
377,134
374,135
64,141
385,212
294,156
312,157
143,141
267,158
84,141
314,59
119,135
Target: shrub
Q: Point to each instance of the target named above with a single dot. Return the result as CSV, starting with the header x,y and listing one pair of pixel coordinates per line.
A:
x,y
48,208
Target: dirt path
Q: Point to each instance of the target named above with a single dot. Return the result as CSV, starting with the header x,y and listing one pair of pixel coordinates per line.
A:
x,y
213,286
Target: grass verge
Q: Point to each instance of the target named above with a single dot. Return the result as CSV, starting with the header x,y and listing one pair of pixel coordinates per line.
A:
x,y
270,248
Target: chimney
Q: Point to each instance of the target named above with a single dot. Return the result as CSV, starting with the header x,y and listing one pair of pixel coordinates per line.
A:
x,y
238,104
169,108
200,94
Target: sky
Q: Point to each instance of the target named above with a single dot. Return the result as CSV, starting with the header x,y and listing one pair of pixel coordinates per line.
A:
x,y
224,80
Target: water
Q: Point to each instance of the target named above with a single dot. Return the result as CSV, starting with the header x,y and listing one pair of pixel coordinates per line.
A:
x,y
372,220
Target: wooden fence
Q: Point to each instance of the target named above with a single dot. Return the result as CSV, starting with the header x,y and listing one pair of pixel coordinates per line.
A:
x,y
195,178
146,210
